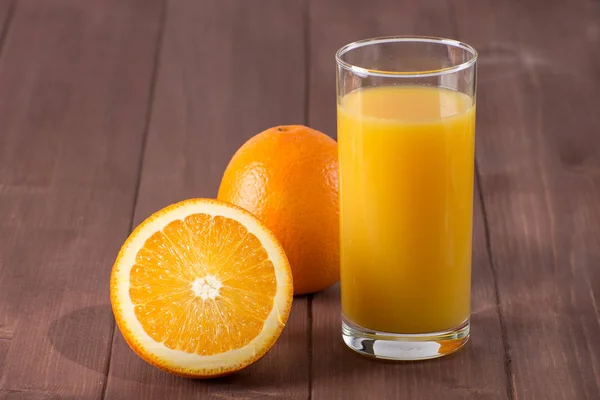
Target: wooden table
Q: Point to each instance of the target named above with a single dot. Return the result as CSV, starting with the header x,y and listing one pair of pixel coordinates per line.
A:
x,y
112,109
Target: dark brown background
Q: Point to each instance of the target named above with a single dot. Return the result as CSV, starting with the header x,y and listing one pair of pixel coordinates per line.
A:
x,y
112,109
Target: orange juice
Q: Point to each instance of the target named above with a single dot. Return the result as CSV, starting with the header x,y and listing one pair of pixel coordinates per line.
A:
x,y
406,190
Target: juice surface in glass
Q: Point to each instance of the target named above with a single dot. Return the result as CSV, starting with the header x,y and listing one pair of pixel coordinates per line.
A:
x,y
406,187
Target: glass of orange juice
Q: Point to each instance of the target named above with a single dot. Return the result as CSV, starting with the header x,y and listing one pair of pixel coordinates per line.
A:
x,y
406,134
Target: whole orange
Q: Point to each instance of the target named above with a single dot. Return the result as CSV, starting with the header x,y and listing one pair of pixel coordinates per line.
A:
x,y
287,176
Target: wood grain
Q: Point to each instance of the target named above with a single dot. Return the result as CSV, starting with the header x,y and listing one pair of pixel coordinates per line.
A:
x,y
75,78
539,156
477,371
6,332
228,70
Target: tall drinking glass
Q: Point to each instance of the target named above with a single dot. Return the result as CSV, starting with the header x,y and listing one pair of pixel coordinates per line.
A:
x,y
406,134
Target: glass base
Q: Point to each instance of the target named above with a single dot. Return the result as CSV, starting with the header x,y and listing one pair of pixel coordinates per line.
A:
x,y
395,346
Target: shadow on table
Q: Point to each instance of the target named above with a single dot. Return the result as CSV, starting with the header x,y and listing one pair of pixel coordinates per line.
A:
x,y
76,337
83,336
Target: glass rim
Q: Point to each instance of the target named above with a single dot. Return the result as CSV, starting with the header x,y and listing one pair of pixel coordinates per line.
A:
x,y
364,72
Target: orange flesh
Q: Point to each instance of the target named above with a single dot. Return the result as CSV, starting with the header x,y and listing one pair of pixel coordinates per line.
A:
x,y
201,249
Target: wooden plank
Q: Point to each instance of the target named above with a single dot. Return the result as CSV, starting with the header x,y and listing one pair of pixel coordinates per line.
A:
x,y
75,79
477,371
539,155
6,333
228,70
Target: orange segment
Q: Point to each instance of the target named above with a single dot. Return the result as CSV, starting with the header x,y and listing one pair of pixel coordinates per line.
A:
x,y
201,289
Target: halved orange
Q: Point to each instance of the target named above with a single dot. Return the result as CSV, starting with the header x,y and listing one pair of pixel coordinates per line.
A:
x,y
201,289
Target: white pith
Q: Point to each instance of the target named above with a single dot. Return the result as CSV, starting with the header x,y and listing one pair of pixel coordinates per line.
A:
x,y
207,287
